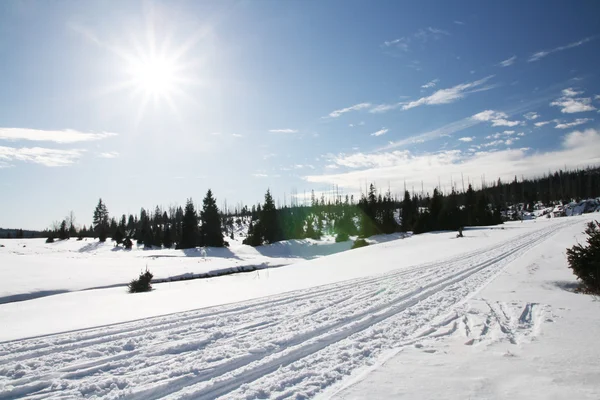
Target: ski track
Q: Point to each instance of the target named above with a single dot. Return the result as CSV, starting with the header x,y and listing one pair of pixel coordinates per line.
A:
x,y
292,345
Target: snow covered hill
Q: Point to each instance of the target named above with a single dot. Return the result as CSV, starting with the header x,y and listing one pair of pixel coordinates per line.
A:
x,y
376,322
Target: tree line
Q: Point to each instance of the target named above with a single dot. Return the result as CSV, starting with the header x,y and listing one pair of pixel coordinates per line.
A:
x,y
374,213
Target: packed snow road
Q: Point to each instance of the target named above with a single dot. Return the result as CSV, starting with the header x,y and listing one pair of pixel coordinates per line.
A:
x,y
292,345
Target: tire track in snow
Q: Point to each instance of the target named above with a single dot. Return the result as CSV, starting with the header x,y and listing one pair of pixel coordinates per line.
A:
x,y
347,309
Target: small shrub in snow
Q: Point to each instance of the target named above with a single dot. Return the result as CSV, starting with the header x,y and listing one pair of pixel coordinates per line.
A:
x,y
128,243
342,237
359,243
50,240
142,284
585,261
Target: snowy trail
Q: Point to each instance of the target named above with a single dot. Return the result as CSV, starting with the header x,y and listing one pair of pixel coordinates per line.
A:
x,y
294,344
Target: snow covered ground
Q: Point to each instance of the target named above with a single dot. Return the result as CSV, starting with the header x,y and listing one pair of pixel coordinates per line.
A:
x,y
412,318
32,268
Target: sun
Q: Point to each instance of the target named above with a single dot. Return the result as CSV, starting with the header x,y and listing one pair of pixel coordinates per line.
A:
x,y
155,76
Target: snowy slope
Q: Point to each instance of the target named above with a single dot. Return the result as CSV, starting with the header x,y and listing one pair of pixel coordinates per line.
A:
x,y
32,268
290,345
526,335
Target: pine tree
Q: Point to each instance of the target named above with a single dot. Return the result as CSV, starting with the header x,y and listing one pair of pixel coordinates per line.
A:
x,y
63,233
408,216
100,220
585,260
210,231
167,237
269,220
470,203
189,227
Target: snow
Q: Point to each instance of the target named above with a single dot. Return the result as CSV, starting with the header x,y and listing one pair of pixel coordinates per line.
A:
x,y
491,315
32,268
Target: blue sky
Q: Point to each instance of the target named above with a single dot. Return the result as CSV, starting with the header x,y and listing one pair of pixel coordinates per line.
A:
x,y
145,103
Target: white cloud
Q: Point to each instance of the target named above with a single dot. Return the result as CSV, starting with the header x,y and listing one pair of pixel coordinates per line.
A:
x,y
578,149
504,122
450,95
430,84
541,123
570,92
64,136
578,121
356,107
531,116
422,35
400,43
508,62
521,134
380,132
260,175
237,135
544,53
508,132
445,130
287,130
215,133
110,154
381,108
497,118
39,155
459,22
570,104
467,139
489,115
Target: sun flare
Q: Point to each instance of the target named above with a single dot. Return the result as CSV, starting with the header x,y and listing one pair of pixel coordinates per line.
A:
x,y
156,76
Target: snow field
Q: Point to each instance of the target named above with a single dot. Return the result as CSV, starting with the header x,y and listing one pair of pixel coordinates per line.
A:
x,y
294,344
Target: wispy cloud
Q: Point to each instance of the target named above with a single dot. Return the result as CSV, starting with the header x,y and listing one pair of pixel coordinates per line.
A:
x,y
499,135
39,155
110,154
283,130
64,136
215,133
508,62
497,118
398,167
237,135
577,122
430,84
466,139
458,22
570,104
380,132
356,107
260,175
445,130
531,116
381,108
450,95
422,35
542,123
544,53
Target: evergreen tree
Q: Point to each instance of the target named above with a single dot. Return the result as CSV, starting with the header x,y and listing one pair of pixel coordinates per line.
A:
x,y
408,216
210,230
100,220
269,220
470,203
167,237
189,227
63,233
